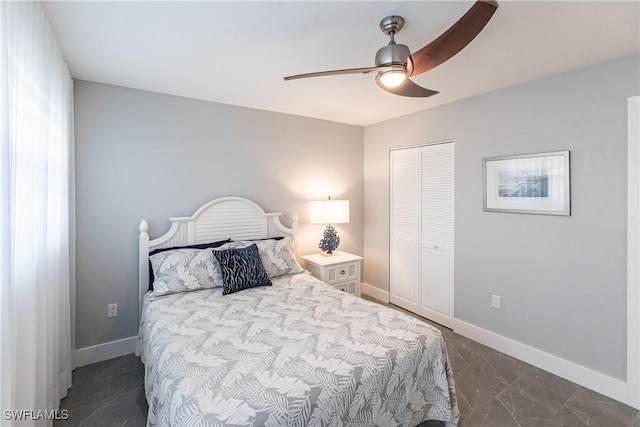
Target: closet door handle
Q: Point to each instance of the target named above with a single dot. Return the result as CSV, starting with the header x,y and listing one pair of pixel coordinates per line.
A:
x,y
435,246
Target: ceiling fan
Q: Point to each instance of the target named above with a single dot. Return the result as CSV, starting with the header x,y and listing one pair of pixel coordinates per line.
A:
x,y
395,64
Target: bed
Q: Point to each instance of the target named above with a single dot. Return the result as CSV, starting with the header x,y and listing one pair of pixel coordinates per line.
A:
x,y
296,353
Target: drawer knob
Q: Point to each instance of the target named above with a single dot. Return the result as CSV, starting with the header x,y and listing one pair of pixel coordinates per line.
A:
x,y
342,272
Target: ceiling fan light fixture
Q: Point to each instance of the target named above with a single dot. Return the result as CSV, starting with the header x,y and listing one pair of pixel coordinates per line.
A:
x,y
393,78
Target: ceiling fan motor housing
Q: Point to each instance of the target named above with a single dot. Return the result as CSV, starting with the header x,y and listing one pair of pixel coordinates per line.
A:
x,y
392,54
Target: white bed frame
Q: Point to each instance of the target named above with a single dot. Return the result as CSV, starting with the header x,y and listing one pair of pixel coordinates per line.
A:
x,y
234,218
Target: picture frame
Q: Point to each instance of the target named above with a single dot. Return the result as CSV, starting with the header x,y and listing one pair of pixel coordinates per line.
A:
x,y
529,183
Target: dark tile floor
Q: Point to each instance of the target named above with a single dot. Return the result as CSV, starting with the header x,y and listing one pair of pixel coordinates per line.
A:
x,y
109,393
494,390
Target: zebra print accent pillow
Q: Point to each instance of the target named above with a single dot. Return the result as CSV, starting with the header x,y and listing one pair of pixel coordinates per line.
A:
x,y
241,269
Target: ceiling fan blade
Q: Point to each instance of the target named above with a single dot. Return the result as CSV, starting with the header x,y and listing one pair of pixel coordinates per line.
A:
x,y
455,38
336,72
407,88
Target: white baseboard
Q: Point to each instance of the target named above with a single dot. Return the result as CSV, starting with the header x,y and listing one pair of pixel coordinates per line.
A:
x,y
596,381
374,292
593,380
98,353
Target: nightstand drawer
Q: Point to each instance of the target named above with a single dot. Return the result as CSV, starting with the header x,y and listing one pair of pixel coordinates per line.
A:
x,y
342,272
348,287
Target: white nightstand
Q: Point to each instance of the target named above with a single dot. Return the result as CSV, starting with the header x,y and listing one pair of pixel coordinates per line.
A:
x,y
342,270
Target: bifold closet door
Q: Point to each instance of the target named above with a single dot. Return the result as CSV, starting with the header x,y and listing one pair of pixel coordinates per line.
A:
x,y
436,233
421,230
405,229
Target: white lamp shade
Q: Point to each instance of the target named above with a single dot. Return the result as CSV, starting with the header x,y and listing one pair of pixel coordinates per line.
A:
x,y
329,212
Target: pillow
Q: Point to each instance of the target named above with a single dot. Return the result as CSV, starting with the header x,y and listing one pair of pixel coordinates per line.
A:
x,y
183,270
241,269
278,257
267,238
198,246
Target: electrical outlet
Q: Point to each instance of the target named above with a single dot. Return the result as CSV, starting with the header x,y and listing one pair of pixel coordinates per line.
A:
x,y
495,301
112,310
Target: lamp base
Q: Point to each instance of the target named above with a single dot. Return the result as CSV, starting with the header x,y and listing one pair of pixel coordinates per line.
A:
x,y
329,254
330,240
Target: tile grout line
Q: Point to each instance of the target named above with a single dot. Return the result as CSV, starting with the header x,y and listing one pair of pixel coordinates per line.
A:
x,y
564,405
498,374
459,393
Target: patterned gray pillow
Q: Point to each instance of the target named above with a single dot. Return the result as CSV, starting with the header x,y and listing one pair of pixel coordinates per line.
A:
x,y
183,270
278,257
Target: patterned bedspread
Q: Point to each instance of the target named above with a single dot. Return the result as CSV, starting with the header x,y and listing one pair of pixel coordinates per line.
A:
x,y
298,353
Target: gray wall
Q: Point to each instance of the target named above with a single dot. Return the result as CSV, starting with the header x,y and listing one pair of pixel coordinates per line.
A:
x,y
562,279
146,155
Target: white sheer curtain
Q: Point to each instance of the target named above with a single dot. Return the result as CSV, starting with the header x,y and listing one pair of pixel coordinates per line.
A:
x,y
36,177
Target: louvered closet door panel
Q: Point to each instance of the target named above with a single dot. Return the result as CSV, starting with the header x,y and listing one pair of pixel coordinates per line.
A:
x,y
436,236
405,229
405,221
437,195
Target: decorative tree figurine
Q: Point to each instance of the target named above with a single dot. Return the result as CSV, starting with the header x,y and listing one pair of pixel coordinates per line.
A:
x,y
330,240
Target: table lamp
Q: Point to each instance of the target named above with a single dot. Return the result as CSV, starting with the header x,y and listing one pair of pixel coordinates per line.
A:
x,y
329,212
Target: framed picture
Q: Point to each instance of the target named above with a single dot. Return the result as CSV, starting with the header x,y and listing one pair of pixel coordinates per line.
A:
x,y
529,183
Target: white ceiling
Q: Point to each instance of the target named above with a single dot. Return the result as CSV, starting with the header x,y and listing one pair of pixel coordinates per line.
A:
x,y
237,52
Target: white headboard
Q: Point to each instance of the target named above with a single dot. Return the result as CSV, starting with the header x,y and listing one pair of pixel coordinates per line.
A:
x,y
233,218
